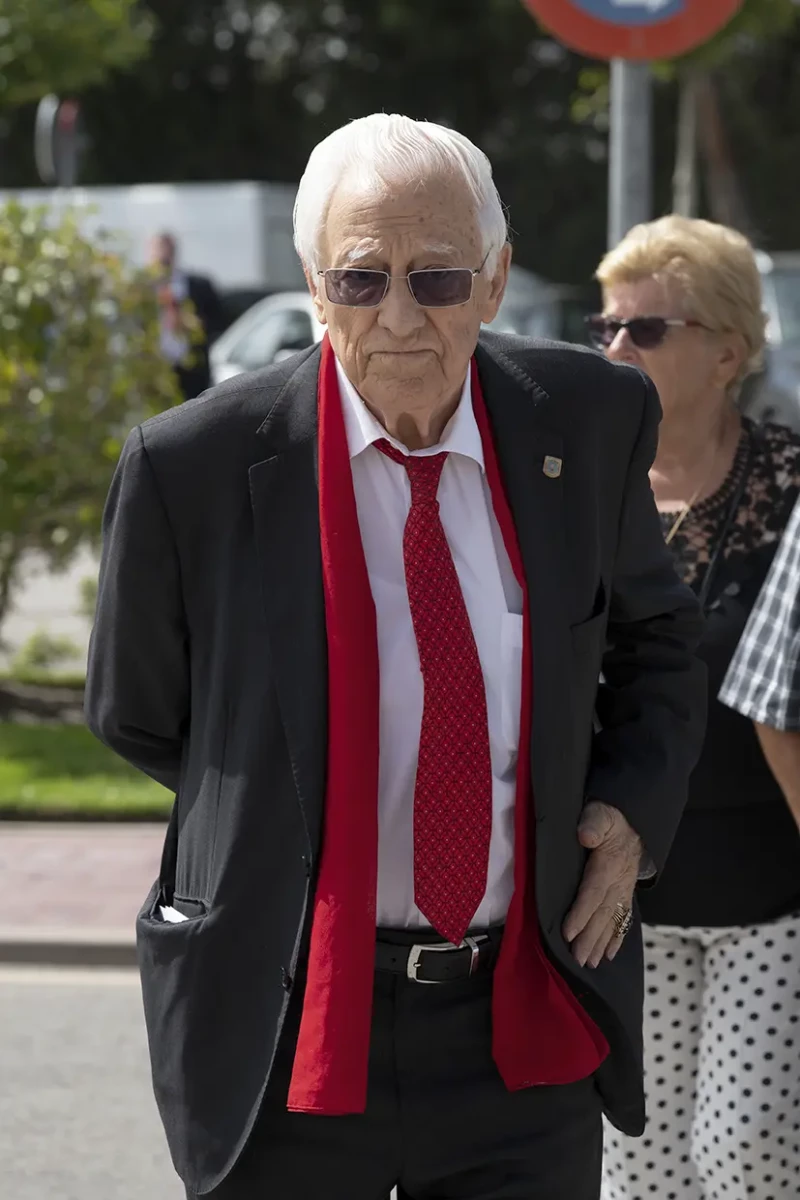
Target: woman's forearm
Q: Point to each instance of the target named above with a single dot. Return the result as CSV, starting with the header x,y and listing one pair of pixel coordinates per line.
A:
x,y
782,752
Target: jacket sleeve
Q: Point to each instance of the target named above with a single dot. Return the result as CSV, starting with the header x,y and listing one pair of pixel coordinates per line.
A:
x,y
137,686
651,705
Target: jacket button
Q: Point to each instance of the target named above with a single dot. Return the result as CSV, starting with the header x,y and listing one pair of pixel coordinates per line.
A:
x,y
286,980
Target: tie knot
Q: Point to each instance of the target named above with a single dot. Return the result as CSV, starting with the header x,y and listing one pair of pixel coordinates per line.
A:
x,y
424,471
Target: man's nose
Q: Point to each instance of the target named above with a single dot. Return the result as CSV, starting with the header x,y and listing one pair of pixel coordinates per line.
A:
x,y
399,311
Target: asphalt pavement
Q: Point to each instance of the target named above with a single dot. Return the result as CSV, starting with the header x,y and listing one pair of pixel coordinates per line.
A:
x,y
77,1116
69,894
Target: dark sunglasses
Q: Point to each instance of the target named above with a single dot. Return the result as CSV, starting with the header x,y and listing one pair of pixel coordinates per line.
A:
x,y
645,332
438,288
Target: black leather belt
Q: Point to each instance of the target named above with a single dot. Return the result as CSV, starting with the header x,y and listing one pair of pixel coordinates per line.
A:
x,y
439,962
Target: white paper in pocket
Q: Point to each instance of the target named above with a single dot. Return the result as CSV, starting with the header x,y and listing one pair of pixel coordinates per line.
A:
x,y
171,915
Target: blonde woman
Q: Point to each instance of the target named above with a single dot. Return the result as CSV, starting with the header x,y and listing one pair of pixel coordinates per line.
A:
x,y
682,301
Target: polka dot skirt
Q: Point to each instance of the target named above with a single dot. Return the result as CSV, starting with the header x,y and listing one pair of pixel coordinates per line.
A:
x,y
722,1069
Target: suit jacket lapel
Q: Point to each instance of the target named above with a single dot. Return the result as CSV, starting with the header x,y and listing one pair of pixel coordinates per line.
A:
x,y
519,411
285,501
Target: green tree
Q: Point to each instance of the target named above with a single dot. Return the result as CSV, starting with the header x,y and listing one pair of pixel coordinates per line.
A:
x,y
80,363
242,89
245,90
65,46
756,21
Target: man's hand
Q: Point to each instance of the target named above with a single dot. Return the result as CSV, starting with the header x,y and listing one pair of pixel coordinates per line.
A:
x,y
609,879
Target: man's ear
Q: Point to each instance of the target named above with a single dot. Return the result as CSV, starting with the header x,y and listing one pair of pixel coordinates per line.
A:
x,y
314,281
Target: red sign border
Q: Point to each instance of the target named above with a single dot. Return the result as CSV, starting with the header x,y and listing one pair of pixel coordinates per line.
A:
x,y
664,39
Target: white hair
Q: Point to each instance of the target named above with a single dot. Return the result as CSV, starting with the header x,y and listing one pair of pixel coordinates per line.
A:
x,y
381,149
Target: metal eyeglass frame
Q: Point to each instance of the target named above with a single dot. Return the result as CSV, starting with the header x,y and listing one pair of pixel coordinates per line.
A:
x,y
388,279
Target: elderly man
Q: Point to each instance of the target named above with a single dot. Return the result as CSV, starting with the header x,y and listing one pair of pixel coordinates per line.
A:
x,y
353,611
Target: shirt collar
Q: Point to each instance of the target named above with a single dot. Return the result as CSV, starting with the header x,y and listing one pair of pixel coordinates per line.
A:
x,y
461,434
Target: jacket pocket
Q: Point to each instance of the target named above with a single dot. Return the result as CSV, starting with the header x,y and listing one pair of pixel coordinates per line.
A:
x,y
160,897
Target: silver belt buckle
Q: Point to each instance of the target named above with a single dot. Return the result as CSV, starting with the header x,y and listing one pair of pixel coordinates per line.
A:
x,y
415,953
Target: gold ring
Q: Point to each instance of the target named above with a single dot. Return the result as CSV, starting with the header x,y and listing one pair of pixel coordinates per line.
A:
x,y
623,919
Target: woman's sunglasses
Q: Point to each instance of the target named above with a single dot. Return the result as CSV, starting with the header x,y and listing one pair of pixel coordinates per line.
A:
x,y
645,332
443,288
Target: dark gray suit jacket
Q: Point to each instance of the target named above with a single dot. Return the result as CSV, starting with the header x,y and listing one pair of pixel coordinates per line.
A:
x,y
208,671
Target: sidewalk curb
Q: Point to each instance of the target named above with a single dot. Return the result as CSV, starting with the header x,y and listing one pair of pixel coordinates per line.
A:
x,y
67,948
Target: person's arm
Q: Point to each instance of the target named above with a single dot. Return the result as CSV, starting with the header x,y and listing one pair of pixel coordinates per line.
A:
x,y
209,308
782,751
763,679
651,709
137,684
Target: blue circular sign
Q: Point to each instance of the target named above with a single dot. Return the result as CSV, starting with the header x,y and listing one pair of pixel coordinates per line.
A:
x,y
634,29
632,12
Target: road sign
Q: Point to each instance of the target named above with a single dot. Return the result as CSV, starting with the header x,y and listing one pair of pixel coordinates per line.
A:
x,y
58,141
633,29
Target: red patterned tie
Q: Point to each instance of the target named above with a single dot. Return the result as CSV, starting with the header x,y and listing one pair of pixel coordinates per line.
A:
x,y
453,791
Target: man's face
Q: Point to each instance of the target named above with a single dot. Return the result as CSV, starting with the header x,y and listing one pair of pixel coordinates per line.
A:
x,y
401,357
162,252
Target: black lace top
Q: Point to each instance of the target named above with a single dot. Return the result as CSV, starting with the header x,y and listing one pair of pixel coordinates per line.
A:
x,y
736,858
772,486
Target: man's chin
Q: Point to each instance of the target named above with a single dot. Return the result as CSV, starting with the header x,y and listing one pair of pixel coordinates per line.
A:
x,y
397,382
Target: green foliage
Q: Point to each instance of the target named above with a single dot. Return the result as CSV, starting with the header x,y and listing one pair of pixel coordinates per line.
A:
x,y
244,89
80,363
42,652
62,770
64,46
757,21
69,678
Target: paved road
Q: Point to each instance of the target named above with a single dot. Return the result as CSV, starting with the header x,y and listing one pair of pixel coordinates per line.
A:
x,y
77,1119
80,877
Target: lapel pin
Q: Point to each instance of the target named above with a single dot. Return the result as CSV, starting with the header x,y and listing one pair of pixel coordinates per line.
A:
x,y
552,466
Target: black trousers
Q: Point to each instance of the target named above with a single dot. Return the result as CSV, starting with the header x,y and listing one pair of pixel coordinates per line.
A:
x,y
439,1122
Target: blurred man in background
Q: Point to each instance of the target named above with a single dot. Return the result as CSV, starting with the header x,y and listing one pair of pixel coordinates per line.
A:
x,y
187,352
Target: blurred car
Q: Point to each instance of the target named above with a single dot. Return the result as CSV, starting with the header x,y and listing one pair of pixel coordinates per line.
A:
x,y
271,330
282,324
237,301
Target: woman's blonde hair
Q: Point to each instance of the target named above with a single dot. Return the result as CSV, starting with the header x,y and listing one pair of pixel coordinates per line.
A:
x,y
714,267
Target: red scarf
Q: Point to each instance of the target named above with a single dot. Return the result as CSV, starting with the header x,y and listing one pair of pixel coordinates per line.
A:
x,y
541,1033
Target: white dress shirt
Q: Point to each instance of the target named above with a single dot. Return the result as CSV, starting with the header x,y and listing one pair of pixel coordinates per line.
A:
x,y
494,603
174,346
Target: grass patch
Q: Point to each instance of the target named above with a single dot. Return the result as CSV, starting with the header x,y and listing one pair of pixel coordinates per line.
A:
x,y
60,770
37,677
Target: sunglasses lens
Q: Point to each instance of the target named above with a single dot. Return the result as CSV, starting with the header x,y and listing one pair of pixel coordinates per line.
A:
x,y
647,332
441,289
356,289
644,332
